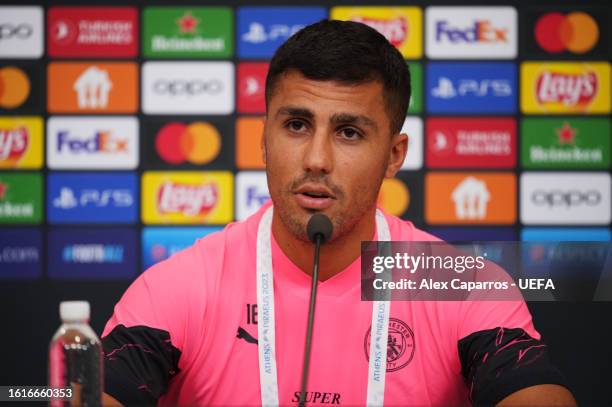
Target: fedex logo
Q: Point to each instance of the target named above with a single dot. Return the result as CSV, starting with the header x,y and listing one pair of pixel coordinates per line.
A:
x,y
251,192
92,198
100,142
92,142
256,197
479,31
458,32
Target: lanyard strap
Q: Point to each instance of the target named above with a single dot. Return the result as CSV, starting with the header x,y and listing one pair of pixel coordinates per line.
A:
x,y
266,323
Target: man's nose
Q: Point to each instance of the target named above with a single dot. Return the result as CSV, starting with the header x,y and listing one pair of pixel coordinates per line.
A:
x,y
318,153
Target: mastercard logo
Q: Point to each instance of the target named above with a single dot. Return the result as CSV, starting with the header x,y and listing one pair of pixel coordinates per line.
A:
x,y
394,197
197,143
14,87
576,32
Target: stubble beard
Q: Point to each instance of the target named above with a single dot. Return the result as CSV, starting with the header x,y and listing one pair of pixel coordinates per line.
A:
x,y
344,220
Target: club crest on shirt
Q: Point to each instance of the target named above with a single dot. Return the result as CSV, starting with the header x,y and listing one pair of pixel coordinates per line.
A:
x,y
400,345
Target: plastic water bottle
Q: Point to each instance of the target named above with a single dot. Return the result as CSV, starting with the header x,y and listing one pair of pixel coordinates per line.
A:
x,y
75,357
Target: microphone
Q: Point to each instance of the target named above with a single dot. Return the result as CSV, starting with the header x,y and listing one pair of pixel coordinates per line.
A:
x,y
319,230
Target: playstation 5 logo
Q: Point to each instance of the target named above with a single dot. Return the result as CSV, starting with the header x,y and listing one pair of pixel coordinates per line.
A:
x,y
99,198
257,32
478,88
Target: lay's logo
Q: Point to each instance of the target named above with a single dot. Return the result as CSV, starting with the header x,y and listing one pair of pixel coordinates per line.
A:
x,y
394,29
20,142
571,90
187,197
565,87
13,144
402,26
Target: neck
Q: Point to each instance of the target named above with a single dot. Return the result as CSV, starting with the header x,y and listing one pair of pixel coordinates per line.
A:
x,y
335,256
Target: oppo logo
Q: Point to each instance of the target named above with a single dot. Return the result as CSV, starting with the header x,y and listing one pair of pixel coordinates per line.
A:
x,y
573,197
21,31
187,87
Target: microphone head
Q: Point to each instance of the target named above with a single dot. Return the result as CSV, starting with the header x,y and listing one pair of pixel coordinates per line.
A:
x,y
319,224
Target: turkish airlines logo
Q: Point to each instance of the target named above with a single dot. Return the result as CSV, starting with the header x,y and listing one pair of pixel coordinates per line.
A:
x,y
576,32
251,87
565,198
395,29
188,87
92,31
571,90
473,142
187,199
13,145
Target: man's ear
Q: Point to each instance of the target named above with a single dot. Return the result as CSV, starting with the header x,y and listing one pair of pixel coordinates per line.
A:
x,y
397,154
263,141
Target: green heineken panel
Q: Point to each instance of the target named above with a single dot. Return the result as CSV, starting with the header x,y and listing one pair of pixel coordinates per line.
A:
x,y
416,83
20,198
187,32
565,143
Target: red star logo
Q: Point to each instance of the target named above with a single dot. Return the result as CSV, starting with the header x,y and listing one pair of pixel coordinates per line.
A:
x,y
566,134
188,23
3,188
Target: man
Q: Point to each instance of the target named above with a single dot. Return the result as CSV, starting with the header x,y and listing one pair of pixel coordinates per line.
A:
x,y
187,331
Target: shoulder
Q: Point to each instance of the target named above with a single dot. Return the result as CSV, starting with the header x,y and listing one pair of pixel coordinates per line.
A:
x,y
208,255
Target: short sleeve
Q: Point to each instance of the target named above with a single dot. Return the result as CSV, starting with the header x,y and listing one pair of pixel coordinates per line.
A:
x,y
501,352
144,341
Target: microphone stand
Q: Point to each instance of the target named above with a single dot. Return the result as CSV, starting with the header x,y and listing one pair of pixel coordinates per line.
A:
x,y
311,311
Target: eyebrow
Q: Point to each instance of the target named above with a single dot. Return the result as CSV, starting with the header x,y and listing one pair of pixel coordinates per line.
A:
x,y
338,118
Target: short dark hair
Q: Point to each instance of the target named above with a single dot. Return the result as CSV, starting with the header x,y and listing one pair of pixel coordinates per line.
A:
x,y
347,52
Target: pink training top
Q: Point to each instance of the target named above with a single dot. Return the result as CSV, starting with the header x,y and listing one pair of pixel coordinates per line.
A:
x,y
185,331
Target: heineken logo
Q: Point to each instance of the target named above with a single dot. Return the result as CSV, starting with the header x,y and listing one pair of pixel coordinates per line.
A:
x,y
576,143
20,198
191,32
188,23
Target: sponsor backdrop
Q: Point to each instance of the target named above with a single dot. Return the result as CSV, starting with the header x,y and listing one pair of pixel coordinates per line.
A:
x,y
127,132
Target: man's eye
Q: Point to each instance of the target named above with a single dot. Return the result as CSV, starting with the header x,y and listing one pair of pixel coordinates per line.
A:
x,y
350,134
296,125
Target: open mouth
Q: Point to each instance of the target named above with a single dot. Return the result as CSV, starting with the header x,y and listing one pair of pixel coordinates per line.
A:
x,y
316,194
315,197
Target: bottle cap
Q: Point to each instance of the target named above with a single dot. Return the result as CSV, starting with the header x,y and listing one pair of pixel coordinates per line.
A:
x,y
74,311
